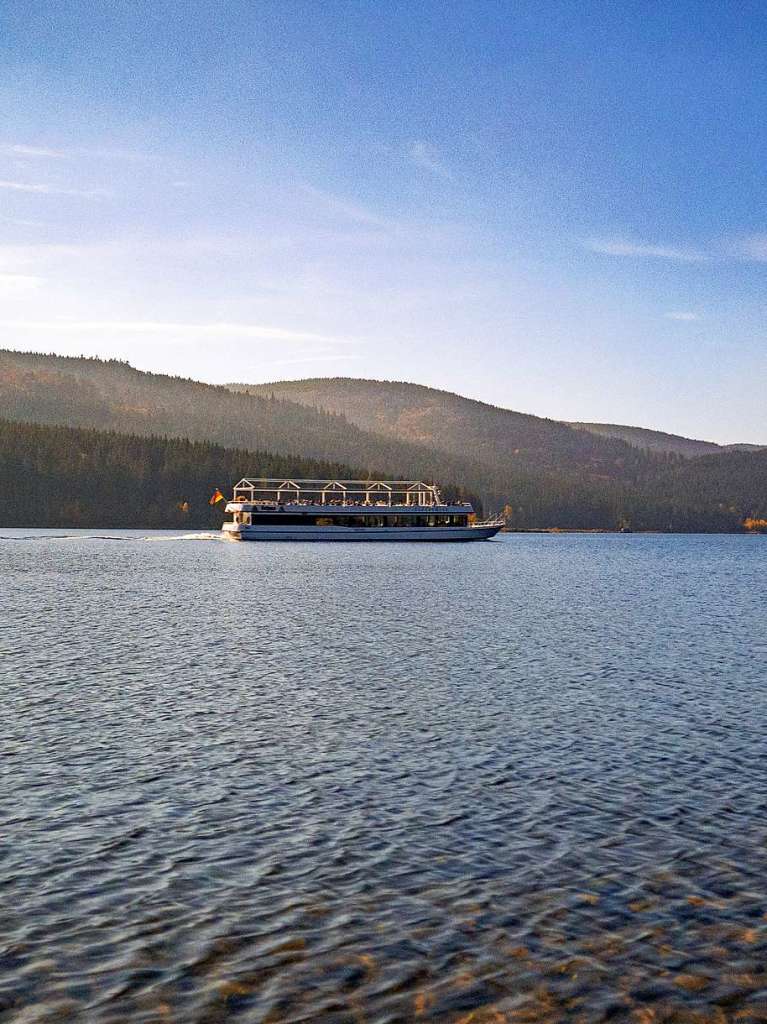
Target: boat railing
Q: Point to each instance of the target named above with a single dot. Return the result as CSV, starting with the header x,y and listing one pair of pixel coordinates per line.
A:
x,y
464,506
496,519
340,492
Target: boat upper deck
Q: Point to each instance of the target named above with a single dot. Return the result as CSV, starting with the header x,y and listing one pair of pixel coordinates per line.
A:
x,y
337,496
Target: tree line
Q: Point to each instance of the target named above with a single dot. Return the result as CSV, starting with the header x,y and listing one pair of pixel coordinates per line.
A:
x,y
548,473
70,477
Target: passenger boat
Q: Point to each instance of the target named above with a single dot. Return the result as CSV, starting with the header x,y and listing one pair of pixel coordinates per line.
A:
x,y
383,510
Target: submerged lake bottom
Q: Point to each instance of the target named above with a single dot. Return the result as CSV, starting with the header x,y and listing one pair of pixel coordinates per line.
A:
x,y
518,781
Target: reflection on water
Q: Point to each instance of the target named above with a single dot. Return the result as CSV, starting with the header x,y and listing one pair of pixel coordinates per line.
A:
x,y
516,781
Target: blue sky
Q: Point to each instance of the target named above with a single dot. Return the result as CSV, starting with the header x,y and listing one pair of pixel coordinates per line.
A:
x,y
555,207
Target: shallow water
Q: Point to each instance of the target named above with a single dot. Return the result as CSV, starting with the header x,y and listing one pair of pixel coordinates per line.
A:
x,y
515,781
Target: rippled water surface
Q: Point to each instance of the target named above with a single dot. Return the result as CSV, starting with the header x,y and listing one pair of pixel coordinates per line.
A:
x,y
521,781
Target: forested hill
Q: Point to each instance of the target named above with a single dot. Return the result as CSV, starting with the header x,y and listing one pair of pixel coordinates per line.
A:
x,y
500,438
549,468
549,473
552,473
659,441
395,428
112,395
68,477
413,412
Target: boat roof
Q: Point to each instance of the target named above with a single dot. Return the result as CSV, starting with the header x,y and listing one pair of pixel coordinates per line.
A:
x,y
408,491
348,508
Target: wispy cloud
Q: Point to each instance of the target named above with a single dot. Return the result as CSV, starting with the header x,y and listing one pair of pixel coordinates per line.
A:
x,y
37,257
50,190
747,248
426,156
17,282
52,153
22,223
347,208
19,150
171,330
751,247
621,247
681,315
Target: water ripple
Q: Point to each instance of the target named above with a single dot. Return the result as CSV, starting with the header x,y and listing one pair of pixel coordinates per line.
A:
x,y
511,782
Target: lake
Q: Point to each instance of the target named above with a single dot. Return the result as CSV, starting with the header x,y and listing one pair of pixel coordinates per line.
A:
x,y
524,780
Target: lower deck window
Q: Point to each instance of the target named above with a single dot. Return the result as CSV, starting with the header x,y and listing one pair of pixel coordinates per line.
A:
x,y
299,519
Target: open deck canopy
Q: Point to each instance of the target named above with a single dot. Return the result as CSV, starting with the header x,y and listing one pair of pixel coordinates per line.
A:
x,y
388,492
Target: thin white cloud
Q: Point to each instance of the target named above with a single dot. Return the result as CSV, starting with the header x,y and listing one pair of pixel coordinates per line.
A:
x,y
426,156
34,151
51,153
621,247
745,249
17,282
21,223
681,315
351,210
43,255
751,247
172,330
50,190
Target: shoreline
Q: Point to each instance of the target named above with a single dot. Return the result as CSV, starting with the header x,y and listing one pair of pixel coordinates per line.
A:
x,y
551,530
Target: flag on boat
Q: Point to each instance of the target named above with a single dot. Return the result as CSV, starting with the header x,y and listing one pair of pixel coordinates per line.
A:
x,y
216,497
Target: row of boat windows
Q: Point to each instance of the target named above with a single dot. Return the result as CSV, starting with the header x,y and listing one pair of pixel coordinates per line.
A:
x,y
286,519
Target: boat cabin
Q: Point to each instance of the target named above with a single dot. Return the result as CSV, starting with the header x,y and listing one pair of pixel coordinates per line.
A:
x,y
352,503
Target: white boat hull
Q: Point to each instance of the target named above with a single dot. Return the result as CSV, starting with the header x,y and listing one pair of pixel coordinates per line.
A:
x,y
238,531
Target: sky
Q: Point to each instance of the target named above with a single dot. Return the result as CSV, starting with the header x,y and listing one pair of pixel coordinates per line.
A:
x,y
556,207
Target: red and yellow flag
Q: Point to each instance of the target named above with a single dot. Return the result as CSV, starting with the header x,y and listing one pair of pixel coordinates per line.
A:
x,y
216,497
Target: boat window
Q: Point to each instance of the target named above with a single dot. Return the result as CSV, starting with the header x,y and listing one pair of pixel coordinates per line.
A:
x,y
272,517
282,519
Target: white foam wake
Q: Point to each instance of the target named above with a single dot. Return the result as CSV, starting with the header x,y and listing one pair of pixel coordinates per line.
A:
x,y
189,536
102,536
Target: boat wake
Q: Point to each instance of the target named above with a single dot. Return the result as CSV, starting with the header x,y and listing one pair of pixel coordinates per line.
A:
x,y
111,537
189,536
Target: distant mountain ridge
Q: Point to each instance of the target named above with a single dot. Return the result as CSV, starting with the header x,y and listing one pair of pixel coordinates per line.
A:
x,y
451,423
550,469
112,395
660,441
549,473
428,416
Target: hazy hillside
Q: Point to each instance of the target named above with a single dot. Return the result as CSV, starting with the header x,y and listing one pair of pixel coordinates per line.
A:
x,y
549,473
54,476
658,441
552,470
497,437
652,440
111,395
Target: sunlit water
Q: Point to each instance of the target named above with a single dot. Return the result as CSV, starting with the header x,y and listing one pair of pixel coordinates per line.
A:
x,y
523,780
